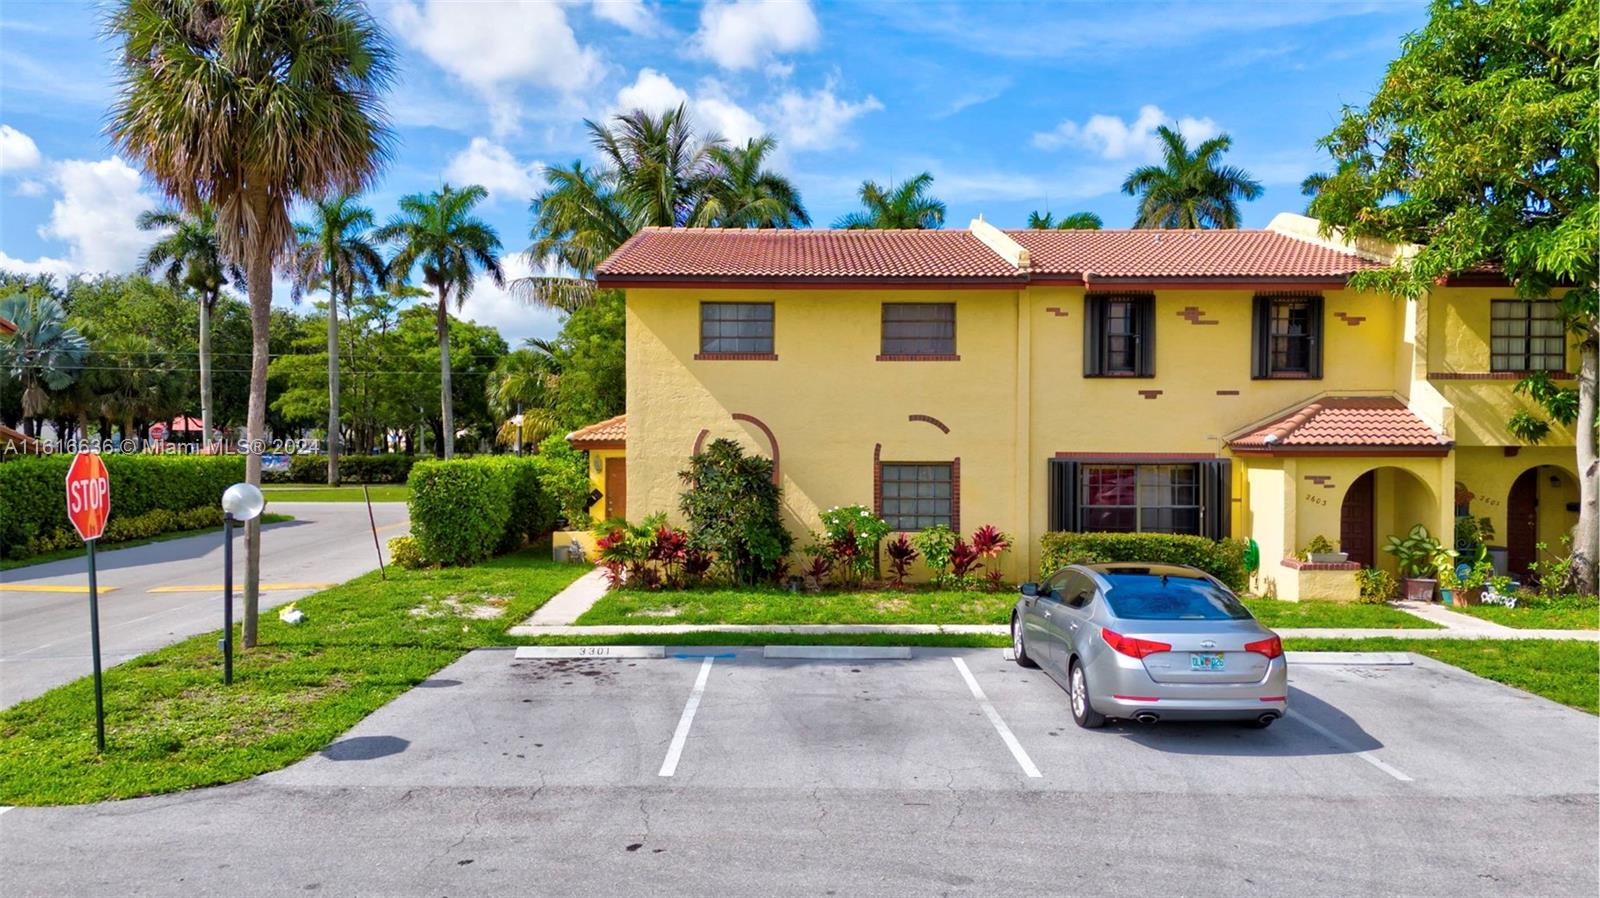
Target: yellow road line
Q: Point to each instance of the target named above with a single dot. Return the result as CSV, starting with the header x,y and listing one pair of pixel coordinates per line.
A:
x,y
239,587
25,587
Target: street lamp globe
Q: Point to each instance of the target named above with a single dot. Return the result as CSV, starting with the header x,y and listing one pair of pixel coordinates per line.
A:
x,y
243,502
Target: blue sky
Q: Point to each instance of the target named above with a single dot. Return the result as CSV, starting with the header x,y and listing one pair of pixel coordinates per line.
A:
x,y
1012,106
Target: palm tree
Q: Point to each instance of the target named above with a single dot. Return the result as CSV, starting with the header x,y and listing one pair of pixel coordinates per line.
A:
x,y
1074,221
1189,189
523,386
336,254
44,354
136,381
905,205
191,257
439,232
742,194
249,106
661,166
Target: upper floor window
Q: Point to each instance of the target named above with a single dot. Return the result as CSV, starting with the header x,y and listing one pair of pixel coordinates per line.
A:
x,y
1526,335
1119,336
1286,337
919,330
917,496
735,328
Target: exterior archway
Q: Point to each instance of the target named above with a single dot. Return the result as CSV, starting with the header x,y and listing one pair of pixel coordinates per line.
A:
x,y
1537,513
1385,501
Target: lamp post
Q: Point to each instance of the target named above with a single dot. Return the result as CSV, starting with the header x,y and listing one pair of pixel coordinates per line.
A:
x,y
240,503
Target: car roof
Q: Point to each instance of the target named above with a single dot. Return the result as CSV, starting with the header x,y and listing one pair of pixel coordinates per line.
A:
x,y
1154,569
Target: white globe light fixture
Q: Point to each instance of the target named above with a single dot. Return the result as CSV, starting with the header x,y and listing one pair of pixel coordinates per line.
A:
x,y
243,502
240,502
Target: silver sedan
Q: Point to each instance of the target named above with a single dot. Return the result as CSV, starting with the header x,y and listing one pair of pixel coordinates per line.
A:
x,y
1150,642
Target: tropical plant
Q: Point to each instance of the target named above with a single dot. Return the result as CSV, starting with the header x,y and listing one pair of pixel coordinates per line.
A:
x,y
1479,146
438,233
1190,189
335,253
522,393
850,537
44,354
901,554
135,380
906,205
731,503
741,193
989,544
1319,545
1418,553
1072,221
1376,585
191,255
936,544
248,106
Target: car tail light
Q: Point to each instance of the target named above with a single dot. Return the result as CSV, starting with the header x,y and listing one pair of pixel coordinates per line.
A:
x,y
1272,648
1274,698
1131,646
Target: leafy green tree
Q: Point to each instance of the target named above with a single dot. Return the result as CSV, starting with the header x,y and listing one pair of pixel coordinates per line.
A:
x,y
732,507
1072,221
906,205
247,106
592,357
1190,188
1480,148
439,233
742,193
335,253
190,252
44,354
522,394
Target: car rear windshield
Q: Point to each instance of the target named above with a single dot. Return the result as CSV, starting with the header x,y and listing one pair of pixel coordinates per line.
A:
x,y
1155,597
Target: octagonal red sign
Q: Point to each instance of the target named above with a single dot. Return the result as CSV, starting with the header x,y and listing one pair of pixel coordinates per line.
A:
x,y
88,495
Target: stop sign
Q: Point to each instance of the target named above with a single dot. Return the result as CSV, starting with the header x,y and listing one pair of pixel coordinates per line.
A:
x,y
158,432
88,495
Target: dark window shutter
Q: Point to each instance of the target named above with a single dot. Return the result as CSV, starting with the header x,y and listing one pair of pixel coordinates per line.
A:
x,y
1260,345
1216,498
1063,494
1094,325
1314,363
1147,336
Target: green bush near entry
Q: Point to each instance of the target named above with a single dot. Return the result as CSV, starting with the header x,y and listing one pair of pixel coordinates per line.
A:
x,y
468,509
1221,558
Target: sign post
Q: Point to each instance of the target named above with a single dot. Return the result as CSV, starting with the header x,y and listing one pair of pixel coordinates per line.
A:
x,y
88,506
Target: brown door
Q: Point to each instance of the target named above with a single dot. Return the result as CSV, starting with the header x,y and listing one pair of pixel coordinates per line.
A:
x,y
1355,521
1522,523
616,488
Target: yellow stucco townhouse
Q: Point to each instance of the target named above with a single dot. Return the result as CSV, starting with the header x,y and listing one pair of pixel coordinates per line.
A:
x,y
1226,383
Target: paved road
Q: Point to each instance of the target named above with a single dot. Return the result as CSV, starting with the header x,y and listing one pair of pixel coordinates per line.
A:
x,y
44,636
866,778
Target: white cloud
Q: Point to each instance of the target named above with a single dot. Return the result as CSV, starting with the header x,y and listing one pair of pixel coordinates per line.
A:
x,y
745,33
653,92
95,216
496,307
18,152
1114,138
817,121
710,107
492,165
632,15
30,187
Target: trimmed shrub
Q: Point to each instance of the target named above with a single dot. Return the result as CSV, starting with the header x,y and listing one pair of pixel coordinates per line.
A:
x,y
732,507
564,474
404,552
1223,559
387,468
33,508
467,509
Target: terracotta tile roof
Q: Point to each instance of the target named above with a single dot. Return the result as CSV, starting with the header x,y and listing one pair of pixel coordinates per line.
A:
x,y
732,254
1344,423
611,433
1182,254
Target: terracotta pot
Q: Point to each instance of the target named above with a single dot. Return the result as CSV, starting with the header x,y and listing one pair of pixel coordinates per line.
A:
x,y
1420,590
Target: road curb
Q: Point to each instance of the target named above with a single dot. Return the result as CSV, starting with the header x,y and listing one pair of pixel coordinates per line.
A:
x,y
593,652
839,652
1361,659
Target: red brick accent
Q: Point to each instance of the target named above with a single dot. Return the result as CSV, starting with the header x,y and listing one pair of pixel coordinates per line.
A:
x,y
929,419
1137,456
1056,311
1323,480
955,494
1299,565
877,480
700,440
1149,394
1195,315
918,358
1347,318
1495,375
771,440
736,356
1227,392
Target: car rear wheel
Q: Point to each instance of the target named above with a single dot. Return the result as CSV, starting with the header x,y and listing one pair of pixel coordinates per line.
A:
x,y
1083,712
1018,648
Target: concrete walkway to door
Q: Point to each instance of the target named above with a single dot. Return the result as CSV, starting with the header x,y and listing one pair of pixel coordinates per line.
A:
x,y
565,606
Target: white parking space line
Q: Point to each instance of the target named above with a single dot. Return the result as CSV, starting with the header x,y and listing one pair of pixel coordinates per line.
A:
x,y
675,751
1343,743
999,725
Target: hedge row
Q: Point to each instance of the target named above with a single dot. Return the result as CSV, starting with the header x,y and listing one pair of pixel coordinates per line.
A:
x,y
1223,559
33,507
467,509
389,468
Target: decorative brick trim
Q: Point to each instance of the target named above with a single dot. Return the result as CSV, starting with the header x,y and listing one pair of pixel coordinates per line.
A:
x,y
700,440
771,440
736,356
929,419
1298,565
1496,375
1227,392
1195,315
1150,394
955,494
917,358
877,480
1347,318
1323,480
1137,456
1056,311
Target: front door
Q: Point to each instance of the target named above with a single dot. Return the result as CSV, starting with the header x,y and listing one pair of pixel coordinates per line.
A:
x,y
1522,524
616,488
1355,521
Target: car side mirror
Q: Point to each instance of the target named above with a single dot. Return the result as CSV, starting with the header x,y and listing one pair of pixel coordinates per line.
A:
x,y
1030,589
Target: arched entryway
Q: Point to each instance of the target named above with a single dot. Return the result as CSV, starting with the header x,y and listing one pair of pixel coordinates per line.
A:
x,y
1384,501
1355,522
1540,508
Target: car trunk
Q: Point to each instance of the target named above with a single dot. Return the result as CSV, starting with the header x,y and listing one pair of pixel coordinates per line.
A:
x,y
1209,651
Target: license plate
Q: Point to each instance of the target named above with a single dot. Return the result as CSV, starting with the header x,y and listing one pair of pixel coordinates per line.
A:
x,y
1205,661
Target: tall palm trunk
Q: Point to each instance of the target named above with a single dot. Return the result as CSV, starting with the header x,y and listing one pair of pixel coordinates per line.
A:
x,y
258,276
333,379
206,302
1586,536
446,401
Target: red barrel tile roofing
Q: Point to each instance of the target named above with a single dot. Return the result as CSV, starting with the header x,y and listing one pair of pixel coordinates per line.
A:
x,y
1344,422
690,254
611,433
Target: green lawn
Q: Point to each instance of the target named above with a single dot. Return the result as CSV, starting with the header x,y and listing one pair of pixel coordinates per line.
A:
x,y
1276,613
1570,613
381,492
171,724
776,606
10,564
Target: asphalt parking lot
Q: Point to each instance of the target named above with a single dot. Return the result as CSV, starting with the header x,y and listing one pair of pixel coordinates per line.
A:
x,y
953,771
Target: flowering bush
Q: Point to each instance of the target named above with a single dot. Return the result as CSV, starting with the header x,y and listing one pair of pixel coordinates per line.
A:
x,y
849,539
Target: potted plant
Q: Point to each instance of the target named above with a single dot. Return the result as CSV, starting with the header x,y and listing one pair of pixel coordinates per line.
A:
x,y
1419,555
1474,578
1448,583
1320,551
